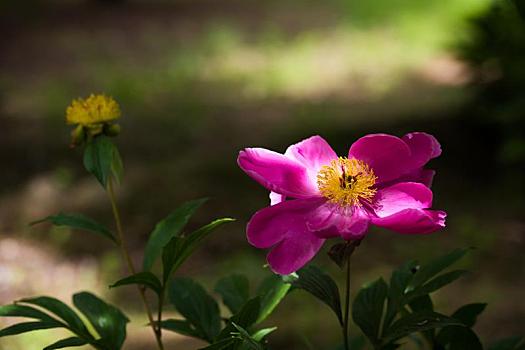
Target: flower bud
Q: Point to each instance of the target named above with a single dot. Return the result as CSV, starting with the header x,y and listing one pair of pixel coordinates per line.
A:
x,y
111,129
78,135
95,129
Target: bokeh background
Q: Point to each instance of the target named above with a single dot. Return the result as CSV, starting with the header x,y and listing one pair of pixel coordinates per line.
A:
x,y
200,79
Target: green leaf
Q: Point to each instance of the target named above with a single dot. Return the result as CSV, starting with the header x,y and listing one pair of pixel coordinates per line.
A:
x,y
262,333
248,314
117,166
418,322
434,267
435,284
101,158
458,338
108,321
168,228
468,314
320,285
180,248
63,311
180,326
398,283
511,343
142,278
222,344
66,343
246,317
197,306
356,343
367,309
234,290
422,303
248,340
272,291
78,221
27,327
17,310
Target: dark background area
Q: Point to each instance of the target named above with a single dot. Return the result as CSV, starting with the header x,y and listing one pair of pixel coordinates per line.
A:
x,y
199,80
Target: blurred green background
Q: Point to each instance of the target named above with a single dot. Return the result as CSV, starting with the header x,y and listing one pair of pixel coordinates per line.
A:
x,y
198,80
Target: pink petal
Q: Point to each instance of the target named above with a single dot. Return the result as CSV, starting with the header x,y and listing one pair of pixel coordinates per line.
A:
x,y
423,147
403,195
277,172
413,221
353,226
283,226
328,221
273,224
387,155
313,153
424,176
294,252
276,198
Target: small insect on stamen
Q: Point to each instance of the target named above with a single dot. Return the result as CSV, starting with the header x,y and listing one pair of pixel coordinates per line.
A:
x,y
347,182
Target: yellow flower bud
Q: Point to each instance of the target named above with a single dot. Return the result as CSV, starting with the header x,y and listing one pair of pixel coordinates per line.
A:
x,y
96,109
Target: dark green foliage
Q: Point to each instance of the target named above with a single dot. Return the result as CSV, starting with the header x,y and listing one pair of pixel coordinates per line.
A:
x,y
107,320
387,313
320,285
434,267
25,327
234,290
181,247
272,291
495,52
454,337
63,311
146,279
248,342
102,159
168,228
183,327
435,284
417,322
201,312
197,307
66,343
468,314
246,317
396,292
368,307
79,222
18,310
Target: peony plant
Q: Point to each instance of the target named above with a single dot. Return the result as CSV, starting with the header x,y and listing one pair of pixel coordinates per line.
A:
x,y
315,196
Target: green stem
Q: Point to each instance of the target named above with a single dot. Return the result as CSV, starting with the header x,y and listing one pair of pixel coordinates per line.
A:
x,y
347,305
159,314
131,267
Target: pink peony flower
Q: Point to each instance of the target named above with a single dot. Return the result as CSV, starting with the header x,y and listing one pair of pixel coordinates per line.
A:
x,y
316,195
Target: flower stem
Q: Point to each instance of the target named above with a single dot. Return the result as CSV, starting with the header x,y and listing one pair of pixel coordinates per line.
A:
x,y
131,267
347,305
159,314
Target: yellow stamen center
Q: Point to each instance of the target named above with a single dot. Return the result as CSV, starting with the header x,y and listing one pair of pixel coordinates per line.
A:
x,y
347,182
95,109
